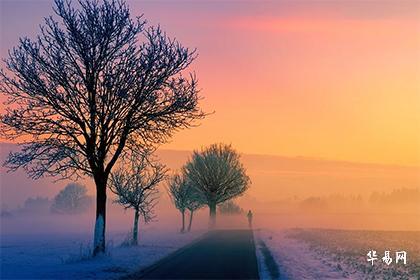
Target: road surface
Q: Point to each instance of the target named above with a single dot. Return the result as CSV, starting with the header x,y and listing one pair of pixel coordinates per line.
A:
x,y
222,254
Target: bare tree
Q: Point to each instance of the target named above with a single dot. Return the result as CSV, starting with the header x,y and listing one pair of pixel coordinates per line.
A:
x,y
178,191
184,196
73,199
217,173
93,87
194,202
136,188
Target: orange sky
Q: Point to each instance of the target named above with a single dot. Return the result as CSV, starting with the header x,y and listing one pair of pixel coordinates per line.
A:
x,y
329,79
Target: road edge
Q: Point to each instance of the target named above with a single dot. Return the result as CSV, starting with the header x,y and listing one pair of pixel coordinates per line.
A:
x,y
143,271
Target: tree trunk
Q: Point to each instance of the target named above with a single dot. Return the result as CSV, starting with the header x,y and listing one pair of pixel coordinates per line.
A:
x,y
183,221
212,222
191,218
99,237
136,228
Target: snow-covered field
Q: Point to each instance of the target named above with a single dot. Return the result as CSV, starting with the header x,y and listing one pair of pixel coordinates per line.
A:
x,y
295,258
58,256
340,254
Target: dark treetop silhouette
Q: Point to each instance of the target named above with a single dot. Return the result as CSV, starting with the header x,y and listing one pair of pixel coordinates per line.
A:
x,y
92,88
136,188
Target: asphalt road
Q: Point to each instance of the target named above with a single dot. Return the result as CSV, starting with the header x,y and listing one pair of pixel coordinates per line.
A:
x,y
222,254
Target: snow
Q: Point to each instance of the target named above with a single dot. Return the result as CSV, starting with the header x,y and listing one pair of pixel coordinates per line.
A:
x,y
262,267
46,256
99,230
296,260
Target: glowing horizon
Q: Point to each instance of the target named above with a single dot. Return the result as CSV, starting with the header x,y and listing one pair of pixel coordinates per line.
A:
x,y
321,80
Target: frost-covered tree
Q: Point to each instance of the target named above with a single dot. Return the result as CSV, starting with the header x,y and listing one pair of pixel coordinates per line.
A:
x,y
184,196
73,199
194,203
217,173
136,188
178,191
94,86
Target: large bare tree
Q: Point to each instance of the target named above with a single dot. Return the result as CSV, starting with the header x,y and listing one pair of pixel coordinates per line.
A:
x,y
94,86
136,188
217,173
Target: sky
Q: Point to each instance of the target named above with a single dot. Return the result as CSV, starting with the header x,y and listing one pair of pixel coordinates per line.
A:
x,y
336,80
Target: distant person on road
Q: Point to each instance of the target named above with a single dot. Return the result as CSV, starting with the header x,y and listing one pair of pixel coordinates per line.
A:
x,y
249,215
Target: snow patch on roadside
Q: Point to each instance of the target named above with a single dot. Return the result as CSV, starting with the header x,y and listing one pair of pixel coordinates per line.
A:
x,y
297,260
267,266
99,231
262,267
48,256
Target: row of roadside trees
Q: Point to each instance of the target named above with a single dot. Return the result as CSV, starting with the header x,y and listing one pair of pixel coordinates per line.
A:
x,y
212,176
97,89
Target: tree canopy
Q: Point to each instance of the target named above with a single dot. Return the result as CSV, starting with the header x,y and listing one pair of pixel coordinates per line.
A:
x,y
92,86
217,173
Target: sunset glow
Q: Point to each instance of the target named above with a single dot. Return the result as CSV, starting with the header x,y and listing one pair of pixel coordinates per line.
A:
x,y
237,139
315,79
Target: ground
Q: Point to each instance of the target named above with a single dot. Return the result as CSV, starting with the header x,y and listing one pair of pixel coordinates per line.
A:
x,y
219,254
338,254
280,254
67,256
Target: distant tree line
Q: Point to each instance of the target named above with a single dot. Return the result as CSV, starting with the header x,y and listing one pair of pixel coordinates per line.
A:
x,y
403,198
230,208
73,199
397,196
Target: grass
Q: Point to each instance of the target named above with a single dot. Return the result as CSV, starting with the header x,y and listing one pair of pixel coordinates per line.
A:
x,y
350,248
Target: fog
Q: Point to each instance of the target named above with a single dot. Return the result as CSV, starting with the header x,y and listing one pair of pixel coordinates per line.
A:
x,y
285,192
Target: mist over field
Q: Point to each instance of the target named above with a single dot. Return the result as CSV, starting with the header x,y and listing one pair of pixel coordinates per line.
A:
x,y
285,192
301,206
